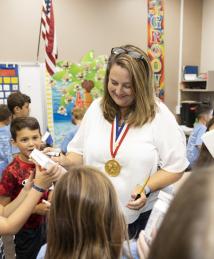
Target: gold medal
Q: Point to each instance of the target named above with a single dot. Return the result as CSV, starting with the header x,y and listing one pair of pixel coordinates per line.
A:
x,y
112,167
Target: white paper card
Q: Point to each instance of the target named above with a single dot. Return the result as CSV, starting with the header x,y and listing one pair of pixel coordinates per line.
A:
x,y
45,136
43,160
208,140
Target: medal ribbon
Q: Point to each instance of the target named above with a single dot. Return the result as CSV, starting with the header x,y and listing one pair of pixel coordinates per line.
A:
x,y
117,136
118,129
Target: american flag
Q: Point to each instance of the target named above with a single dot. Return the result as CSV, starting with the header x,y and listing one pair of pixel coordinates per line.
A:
x,y
49,36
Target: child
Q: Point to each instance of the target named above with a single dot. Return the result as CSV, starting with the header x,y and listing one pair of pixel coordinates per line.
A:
x,y
204,114
26,136
85,219
205,159
77,115
187,229
18,103
18,211
5,138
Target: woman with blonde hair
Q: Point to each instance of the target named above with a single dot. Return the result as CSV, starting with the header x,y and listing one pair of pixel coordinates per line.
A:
x,y
85,220
131,136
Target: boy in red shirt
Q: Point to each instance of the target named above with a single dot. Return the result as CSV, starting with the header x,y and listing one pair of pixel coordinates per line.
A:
x,y
26,136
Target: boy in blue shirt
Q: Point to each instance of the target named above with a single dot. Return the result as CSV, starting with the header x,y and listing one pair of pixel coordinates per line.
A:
x,y
19,104
5,137
203,114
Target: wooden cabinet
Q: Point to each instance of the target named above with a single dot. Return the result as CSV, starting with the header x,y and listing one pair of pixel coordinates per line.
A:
x,y
192,93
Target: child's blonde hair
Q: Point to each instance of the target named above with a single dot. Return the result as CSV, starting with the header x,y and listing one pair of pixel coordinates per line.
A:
x,y
85,220
78,113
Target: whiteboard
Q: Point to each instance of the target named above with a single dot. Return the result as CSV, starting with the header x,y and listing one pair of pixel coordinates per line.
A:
x,y
32,83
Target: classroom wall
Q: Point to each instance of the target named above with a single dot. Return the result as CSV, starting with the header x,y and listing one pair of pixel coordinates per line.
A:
x,y
19,21
120,21
192,26
81,25
99,25
207,53
172,22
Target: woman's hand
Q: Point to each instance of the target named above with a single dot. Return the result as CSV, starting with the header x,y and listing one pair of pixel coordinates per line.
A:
x,y
70,159
48,149
142,247
61,159
139,203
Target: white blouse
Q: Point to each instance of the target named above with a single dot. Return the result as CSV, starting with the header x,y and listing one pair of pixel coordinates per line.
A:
x,y
158,143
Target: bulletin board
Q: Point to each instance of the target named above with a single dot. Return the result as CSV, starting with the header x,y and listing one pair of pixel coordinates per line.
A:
x,y
9,81
32,83
29,78
73,85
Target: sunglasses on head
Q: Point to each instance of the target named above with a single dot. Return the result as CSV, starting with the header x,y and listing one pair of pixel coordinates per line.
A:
x,y
133,54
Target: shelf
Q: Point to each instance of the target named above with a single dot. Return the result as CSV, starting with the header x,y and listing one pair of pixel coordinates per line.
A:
x,y
196,90
194,81
193,92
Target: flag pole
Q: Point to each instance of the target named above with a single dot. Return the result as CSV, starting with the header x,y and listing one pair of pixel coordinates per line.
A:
x,y
38,47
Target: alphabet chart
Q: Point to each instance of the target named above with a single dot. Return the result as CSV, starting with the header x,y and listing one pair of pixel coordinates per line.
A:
x,y
9,81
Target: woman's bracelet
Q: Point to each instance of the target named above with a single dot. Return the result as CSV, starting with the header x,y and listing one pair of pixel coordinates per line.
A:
x,y
37,188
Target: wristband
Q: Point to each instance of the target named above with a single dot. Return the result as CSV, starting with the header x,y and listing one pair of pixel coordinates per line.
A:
x,y
37,188
147,191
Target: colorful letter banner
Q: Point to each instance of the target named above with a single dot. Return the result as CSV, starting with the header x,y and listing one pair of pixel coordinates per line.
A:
x,y
156,43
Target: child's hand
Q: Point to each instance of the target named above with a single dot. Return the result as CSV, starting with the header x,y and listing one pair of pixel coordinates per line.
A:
x,y
29,182
44,178
41,209
142,247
